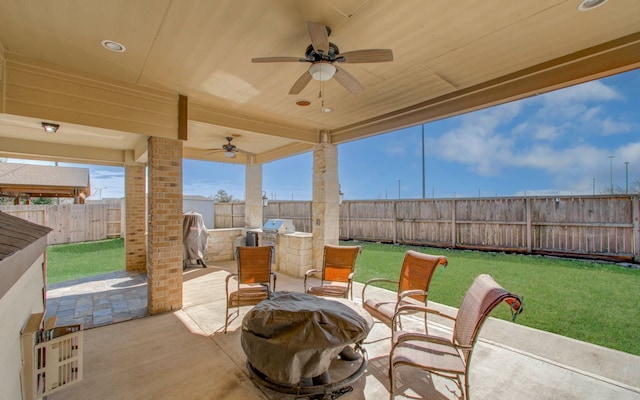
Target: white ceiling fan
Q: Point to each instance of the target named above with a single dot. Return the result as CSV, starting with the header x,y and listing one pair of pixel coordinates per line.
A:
x,y
325,56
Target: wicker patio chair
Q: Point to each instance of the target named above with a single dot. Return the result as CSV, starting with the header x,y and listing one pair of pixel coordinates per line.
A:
x,y
450,357
337,272
253,280
413,286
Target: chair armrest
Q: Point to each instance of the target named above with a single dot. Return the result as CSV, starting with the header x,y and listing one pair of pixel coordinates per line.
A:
x,y
375,280
307,274
414,292
228,278
402,337
226,283
411,308
311,271
275,276
417,308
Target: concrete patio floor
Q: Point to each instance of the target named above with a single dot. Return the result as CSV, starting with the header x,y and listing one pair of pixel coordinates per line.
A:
x,y
185,355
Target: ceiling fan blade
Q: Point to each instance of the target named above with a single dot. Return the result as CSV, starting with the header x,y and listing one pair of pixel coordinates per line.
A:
x,y
319,36
277,59
366,56
244,152
301,83
348,81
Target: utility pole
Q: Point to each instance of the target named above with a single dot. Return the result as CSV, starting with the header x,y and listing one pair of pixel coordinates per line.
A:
x,y
626,176
611,171
399,188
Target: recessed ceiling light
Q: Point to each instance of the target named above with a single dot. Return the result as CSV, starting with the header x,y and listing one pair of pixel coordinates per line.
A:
x,y
303,102
50,127
587,5
113,46
327,110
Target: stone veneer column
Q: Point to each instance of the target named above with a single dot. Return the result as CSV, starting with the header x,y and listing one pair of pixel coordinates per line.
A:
x,y
253,196
164,255
135,242
325,208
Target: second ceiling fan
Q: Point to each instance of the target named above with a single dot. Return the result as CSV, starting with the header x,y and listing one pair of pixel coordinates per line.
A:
x,y
324,57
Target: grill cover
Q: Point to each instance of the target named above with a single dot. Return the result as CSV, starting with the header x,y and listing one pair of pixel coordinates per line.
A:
x,y
292,335
194,237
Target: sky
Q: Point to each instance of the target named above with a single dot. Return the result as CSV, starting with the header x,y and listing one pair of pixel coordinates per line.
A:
x,y
578,140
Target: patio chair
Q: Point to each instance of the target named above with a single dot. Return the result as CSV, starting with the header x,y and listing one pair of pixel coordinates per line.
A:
x,y
253,280
337,272
450,357
413,286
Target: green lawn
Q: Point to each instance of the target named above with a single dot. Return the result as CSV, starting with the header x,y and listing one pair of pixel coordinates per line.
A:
x,y
588,301
72,261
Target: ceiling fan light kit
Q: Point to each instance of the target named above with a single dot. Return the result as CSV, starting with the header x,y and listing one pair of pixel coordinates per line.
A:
x,y
322,71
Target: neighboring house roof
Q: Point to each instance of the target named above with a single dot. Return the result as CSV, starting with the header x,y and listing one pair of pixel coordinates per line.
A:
x,y
17,234
195,197
41,180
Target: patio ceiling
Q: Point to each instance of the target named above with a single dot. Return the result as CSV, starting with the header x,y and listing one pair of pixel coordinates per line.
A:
x,y
449,58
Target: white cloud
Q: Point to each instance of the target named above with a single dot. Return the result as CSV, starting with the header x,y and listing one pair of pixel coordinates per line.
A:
x,y
585,92
394,150
611,127
545,132
630,153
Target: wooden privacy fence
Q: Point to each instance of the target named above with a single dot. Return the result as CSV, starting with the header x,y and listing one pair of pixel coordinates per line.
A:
x,y
73,222
606,227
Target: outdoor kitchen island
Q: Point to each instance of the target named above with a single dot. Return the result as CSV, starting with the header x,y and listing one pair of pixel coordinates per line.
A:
x,y
293,250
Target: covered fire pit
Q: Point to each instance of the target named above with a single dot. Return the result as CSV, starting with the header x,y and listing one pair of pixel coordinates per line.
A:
x,y
291,338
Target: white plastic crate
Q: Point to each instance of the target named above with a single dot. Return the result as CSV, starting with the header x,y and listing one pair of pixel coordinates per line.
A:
x,y
52,357
58,362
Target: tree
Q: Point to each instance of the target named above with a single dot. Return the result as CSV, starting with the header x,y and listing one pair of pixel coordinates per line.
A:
x,y
223,197
41,200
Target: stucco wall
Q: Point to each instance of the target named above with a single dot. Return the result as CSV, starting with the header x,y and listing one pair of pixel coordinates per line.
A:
x,y
16,306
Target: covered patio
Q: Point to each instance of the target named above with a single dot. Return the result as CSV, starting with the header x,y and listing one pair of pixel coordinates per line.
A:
x,y
145,84
184,354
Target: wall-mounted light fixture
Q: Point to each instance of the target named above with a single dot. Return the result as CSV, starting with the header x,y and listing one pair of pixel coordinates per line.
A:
x,y
50,127
341,195
265,199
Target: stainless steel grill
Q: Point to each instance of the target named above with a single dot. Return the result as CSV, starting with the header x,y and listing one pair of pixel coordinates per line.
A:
x,y
280,226
271,230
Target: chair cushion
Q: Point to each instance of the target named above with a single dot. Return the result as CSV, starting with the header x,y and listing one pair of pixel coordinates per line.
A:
x,y
381,310
430,356
248,296
329,290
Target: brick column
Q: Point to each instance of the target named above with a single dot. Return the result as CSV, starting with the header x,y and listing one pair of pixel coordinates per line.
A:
x,y
253,196
325,208
164,255
135,242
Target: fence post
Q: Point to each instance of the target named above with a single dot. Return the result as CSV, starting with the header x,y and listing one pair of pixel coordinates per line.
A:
x,y
635,217
453,223
529,232
348,220
395,222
